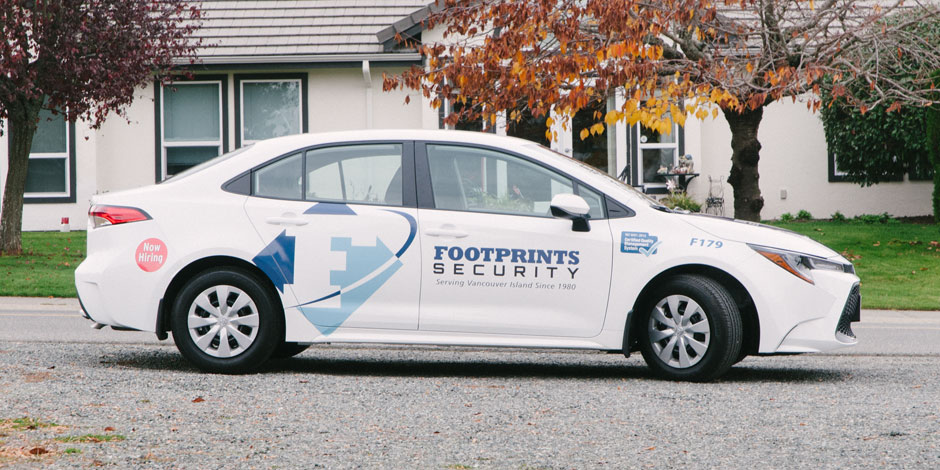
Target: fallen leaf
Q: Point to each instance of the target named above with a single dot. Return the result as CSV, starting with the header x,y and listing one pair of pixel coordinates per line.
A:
x,y
198,400
651,448
876,244
109,429
38,451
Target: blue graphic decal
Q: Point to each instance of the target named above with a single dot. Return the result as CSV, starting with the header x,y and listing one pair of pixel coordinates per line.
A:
x,y
411,235
277,260
361,261
639,242
331,208
355,284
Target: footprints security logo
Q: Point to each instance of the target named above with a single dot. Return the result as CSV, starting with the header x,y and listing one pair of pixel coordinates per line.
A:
x,y
368,268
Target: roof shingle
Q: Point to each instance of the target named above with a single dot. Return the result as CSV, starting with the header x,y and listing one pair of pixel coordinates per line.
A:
x,y
236,31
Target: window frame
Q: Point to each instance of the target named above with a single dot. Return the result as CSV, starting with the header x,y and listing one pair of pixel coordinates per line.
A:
x,y
636,156
409,198
426,192
302,78
68,196
160,169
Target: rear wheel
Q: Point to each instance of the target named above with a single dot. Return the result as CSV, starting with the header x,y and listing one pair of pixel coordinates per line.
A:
x,y
691,329
225,321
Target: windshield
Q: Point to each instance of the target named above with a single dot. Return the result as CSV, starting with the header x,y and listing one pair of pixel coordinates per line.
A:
x,y
206,164
545,150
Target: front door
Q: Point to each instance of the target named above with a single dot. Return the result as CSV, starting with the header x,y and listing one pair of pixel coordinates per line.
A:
x,y
494,260
337,230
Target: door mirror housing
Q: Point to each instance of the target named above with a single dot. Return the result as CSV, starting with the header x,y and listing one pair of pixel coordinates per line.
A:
x,y
573,207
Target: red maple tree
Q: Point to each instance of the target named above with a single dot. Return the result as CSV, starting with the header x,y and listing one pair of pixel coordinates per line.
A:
x,y
83,59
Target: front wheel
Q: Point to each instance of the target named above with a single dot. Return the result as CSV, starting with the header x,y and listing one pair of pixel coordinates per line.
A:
x,y
690,329
225,321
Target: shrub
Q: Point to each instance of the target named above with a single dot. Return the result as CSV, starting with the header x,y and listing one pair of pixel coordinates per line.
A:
x,y
786,217
837,217
681,200
875,218
803,215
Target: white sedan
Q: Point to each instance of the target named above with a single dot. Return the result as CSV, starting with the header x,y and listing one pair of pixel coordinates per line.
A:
x,y
448,238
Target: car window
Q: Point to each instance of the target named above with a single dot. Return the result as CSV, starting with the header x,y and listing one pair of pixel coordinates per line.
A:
x,y
594,202
368,174
279,179
465,178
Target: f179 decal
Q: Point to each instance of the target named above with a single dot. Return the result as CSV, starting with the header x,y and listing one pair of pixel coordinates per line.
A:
x,y
367,269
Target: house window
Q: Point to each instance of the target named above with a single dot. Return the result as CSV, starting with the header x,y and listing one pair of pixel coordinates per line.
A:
x,y
192,118
653,152
50,175
449,107
530,128
835,174
597,150
269,106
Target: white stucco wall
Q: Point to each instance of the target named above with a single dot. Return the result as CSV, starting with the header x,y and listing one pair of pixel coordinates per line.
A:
x,y
125,147
121,154
794,159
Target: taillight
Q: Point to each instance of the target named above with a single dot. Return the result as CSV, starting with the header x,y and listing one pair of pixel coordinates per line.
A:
x,y
101,216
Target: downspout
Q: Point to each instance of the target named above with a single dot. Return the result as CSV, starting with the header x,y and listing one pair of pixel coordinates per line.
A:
x,y
367,79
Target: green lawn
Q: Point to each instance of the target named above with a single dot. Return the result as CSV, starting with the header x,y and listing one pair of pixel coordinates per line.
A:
x,y
898,262
47,266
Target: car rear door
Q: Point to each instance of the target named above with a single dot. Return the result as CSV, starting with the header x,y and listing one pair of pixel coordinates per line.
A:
x,y
493,258
340,228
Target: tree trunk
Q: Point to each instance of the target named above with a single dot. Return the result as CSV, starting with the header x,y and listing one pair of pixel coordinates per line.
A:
x,y
745,153
23,120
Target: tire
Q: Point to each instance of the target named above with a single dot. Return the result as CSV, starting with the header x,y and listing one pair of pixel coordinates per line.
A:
x,y
709,339
287,349
252,331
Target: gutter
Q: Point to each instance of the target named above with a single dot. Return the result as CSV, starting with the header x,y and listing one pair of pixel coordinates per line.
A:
x,y
302,59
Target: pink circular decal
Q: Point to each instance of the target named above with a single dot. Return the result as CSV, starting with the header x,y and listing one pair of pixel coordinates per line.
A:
x,y
151,254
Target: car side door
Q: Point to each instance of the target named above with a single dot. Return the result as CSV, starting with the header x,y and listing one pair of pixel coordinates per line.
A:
x,y
339,224
494,260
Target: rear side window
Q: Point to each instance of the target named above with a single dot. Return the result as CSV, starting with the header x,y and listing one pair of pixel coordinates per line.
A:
x,y
366,174
280,179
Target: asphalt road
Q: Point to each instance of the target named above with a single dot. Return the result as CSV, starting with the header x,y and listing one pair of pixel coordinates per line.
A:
x,y
873,406
57,320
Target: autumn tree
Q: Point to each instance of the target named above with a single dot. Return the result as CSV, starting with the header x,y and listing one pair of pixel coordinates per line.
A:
x,y
668,58
82,59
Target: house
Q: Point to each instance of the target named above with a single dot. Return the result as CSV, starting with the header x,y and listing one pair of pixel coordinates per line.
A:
x,y
272,68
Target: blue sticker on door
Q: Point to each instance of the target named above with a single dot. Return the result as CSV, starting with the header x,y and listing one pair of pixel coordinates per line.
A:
x,y
639,242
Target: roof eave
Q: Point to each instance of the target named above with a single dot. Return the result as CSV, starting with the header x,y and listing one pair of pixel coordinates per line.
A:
x,y
408,25
301,59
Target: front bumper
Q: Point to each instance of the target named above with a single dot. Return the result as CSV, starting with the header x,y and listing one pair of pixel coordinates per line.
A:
x,y
831,331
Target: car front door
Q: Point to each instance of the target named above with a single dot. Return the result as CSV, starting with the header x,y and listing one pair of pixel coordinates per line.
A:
x,y
339,225
494,260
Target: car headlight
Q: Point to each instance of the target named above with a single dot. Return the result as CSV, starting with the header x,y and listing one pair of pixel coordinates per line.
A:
x,y
799,264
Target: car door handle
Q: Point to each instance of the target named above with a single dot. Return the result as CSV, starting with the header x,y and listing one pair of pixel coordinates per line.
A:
x,y
286,221
445,232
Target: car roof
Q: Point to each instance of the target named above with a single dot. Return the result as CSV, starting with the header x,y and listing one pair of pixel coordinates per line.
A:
x,y
293,142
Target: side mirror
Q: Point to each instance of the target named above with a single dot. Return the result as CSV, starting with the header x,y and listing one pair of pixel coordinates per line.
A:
x,y
573,207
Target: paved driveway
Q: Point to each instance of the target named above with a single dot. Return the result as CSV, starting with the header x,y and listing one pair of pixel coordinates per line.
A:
x,y
874,406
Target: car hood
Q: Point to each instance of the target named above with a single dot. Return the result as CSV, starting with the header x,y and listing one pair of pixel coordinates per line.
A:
x,y
758,234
